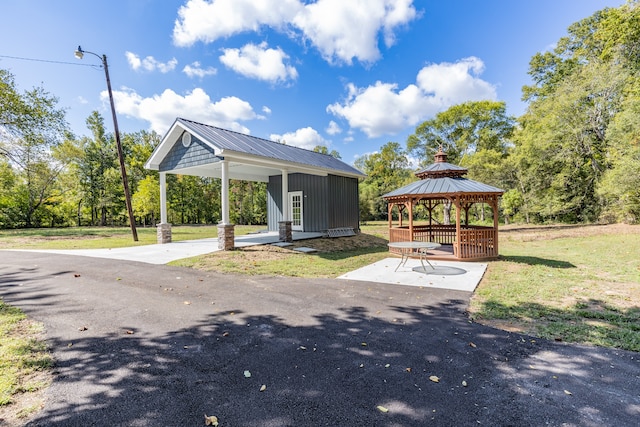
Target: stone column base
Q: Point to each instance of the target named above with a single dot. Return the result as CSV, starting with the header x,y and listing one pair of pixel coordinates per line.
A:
x,y
284,231
226,237
164,233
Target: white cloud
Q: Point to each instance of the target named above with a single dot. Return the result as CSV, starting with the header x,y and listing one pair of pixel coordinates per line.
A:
x,y
383,108
161,110
341,30
455,83
150,63
134,60
333,128
259,62
207,21
266,109
304,138
195,70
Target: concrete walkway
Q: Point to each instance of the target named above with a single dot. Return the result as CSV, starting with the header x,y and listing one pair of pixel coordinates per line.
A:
x,y
459,276
163,254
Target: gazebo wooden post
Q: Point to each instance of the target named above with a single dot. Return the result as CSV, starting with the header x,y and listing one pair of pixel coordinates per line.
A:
x,y
458,229
494,208
411,220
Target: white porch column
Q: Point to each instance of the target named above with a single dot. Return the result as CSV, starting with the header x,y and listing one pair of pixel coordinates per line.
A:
x,y
163,197
225,192
163,232
285,195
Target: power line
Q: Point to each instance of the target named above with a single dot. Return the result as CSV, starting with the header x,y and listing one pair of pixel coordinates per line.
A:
x,y
50,61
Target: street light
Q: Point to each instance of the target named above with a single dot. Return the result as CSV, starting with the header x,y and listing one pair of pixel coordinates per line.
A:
x,y
127,196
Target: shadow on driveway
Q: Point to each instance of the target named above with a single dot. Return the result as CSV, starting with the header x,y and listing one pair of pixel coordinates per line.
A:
x,y
171,347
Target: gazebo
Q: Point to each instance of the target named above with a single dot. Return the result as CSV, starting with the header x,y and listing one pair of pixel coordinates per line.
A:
x,y
443,184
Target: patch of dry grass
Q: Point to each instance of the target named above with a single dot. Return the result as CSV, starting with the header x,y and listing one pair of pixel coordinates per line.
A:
x,y
334,256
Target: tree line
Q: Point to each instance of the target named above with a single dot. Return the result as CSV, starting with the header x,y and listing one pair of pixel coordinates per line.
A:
x,y
573,156
50,178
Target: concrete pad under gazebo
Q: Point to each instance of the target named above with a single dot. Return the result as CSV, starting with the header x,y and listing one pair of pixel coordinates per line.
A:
x,y
443,183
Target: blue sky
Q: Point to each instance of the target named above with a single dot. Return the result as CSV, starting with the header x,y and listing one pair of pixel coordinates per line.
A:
x,y
349,74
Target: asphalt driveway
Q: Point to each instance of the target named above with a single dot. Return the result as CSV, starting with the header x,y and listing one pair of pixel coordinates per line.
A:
x,y
143,345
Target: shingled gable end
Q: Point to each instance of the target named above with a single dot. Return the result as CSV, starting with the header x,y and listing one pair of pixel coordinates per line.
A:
x,y
311,191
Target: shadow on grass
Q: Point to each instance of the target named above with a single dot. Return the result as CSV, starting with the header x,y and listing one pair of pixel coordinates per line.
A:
x,y
533,260
592,322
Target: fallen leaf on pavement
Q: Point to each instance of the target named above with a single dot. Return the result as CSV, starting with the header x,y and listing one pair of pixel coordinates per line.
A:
x,y
464,383
225,334
82,328
247,374
76,275
187,303
434,379
382,409
472,345
129,332
408,369
263,388
210,420
568,392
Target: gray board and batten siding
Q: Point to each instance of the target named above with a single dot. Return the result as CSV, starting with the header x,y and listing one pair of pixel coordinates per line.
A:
x,y
328,201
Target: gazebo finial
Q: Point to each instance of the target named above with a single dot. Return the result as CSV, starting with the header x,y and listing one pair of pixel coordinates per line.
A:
x,y
441,156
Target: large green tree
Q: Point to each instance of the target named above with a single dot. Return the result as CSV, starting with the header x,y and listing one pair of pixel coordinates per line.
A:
x,y
386,170
474,134
31,129
565,147
462,131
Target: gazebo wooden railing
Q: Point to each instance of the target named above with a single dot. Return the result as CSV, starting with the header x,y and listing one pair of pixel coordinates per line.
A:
x,y
475,242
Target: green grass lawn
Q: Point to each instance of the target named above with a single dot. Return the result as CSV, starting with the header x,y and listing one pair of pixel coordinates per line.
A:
x,y
104,237
574,285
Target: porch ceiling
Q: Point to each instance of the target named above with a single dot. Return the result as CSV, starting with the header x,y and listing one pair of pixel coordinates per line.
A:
x,y
241,169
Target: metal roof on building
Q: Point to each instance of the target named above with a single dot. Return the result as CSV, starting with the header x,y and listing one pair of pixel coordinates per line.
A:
x,y
447,185
240,143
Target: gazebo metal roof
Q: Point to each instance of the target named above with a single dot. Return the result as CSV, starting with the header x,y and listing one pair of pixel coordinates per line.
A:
x,y
442,186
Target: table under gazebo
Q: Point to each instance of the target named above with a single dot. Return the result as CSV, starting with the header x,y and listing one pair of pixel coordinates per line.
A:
x,y
443,184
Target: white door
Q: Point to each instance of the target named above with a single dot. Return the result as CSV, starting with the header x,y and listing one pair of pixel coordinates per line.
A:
x,y
295,210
